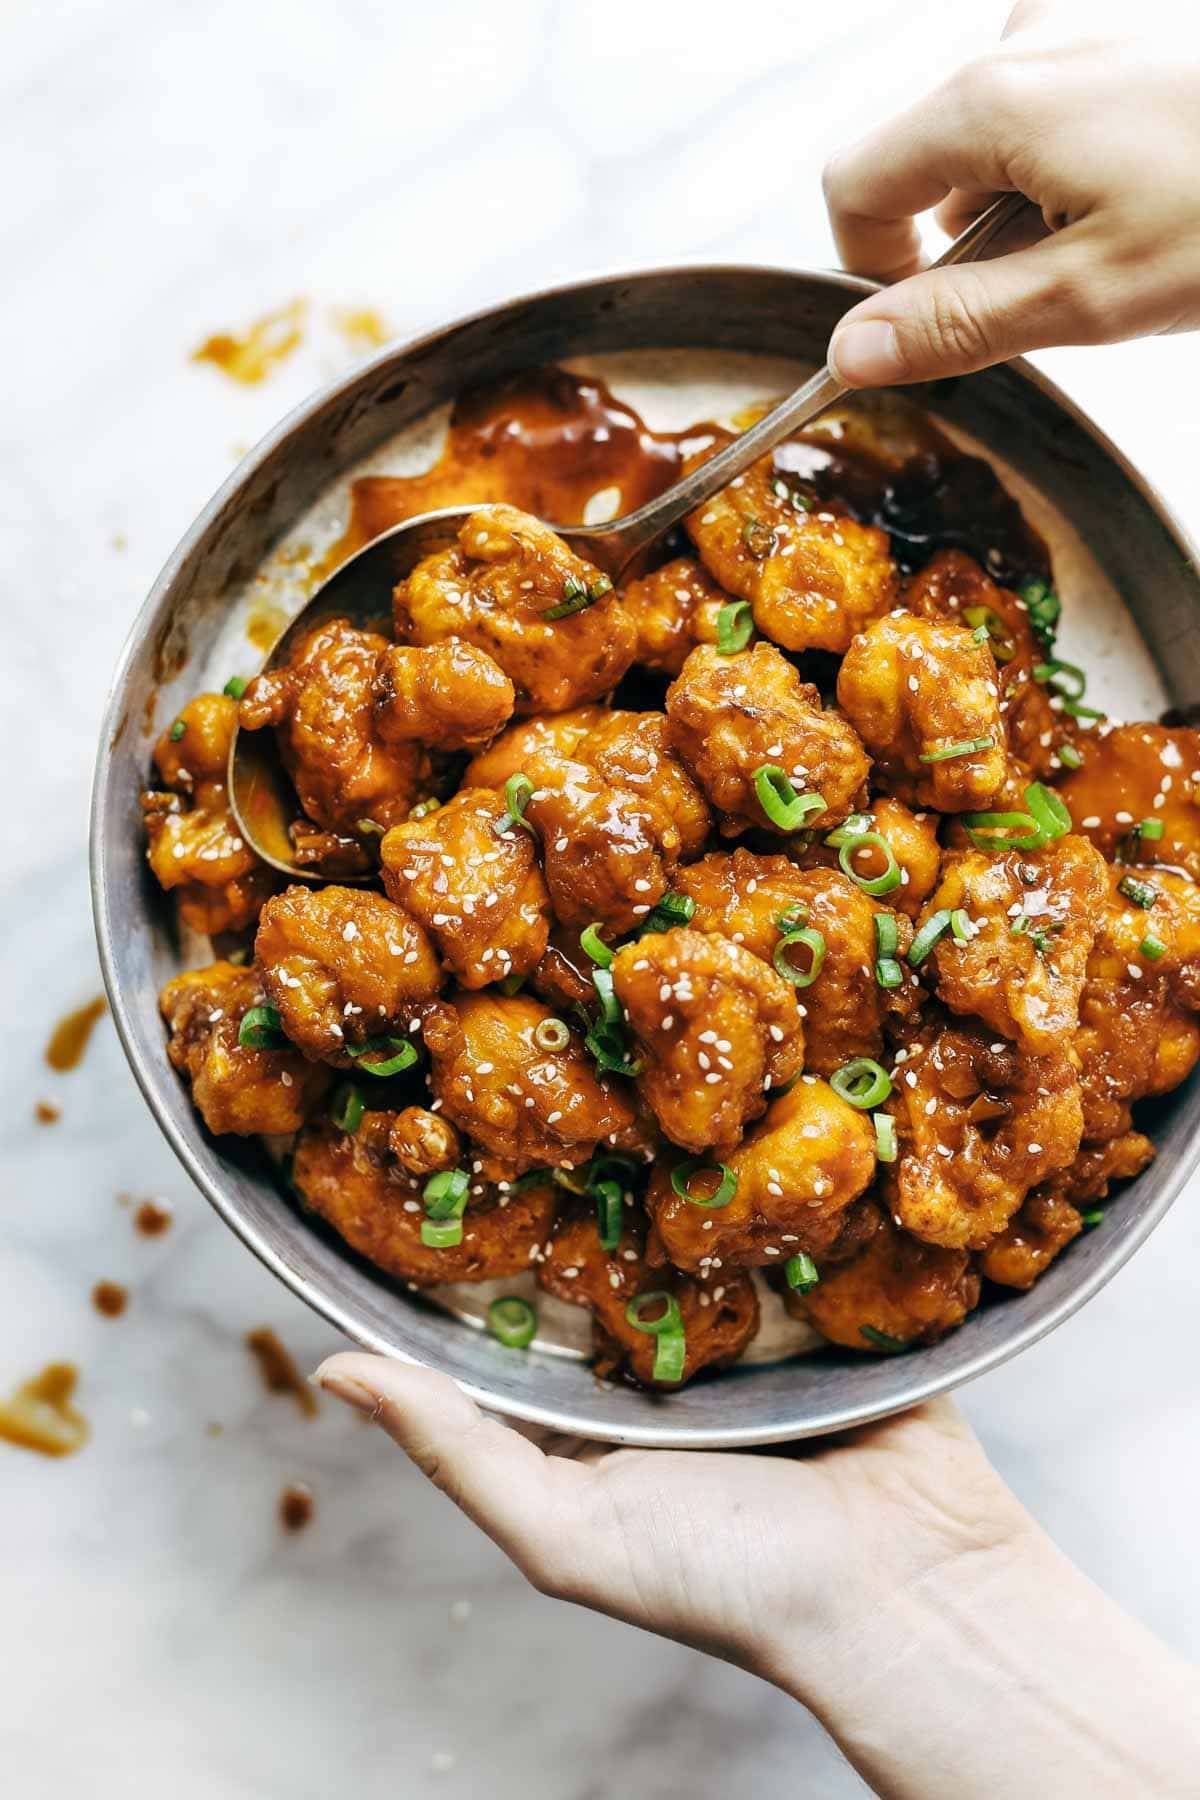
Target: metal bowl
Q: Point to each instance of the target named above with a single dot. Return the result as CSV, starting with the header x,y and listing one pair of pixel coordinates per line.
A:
x,y
1012,412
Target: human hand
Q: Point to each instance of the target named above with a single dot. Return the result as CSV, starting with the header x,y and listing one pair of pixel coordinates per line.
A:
x,y
1096,122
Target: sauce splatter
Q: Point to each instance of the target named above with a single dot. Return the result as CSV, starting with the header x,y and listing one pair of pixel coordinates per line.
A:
x,y
279,1373
69,1039
47,1112
152,1218
39,1416
251,355
110,1298
361,327
296,1506
264,624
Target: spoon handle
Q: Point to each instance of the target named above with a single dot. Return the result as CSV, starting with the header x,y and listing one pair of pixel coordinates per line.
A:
x,y
634,533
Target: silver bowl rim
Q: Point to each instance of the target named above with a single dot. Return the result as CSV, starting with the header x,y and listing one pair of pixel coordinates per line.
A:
x,y
149,1075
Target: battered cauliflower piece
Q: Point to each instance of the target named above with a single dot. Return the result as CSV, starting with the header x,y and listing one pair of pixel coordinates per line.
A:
x,y
1138,1030
812,578
915,689
322,704
495,589
235,1089
979,1123
352,1180
1135,772
753,899
673,610
476,890
718,1321
913,837
633,750
423,1143
525,1106
895,1288
447,696
197,849
1045,1224
1032,917
601,852
718,1029
556,736
731,716
798,1173
342,966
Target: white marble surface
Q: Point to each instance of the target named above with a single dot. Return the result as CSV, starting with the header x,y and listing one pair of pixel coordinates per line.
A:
x,y
172,169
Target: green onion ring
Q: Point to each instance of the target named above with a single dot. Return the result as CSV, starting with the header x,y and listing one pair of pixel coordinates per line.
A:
x,y
784,807
935,927
854,826
1050,814
960,926
1150,829
814,942
594,945
1140,892
965,747
235,687
885,1137
872,884
862,1083
518,790
1152,947
512,1321
441,1234
800,1273
551,1034
177,730
1069,756
403,1057
347,1108
882,1341
886,936
735,627
1002,830
261,1029
1072,688
681,1178
445,1194
609,1209
670,1355
670,1319
888,972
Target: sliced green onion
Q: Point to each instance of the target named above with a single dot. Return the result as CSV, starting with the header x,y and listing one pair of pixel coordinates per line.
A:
x,y
681,1181
886,935
885,1137
577,596
870,884
673,909
551,1034
369,827
935,927
235,687
965,747
960,926
517,792
1002,830
1078,711
607,1045
445,1194
441,1234
348,1108
610,1006
609,1209
882,1341
1092,1219
403,1055
1152,947
862,1082
512,1321
785,808
1150,829
1053,673
888,972
989,624
758,538
1043,607
813,942
1050,814
670,1355
261,1029
735,626
1069,757
1140,892
800,1272
669,1319
980,634
595,946
855,826
423,808
177,730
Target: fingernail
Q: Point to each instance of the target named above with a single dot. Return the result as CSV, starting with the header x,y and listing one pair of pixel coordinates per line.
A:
x,y
345,1387
866,354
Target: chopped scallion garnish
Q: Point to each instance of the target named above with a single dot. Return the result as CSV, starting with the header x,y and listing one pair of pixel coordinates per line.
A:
x,y
669,1319
1069,756
551,1034
883,1341
965,747
813,942
862,1082
735,626
518,791
1150,829
577,596
609,1205
235,687
1140,892
261,1029
874,885
800,1273
177,730
445,1194
1152,947
935,927
441,1234
684,1173
885,1137
670,1356
347,1108
512,1321
402,1055
595,946
784,807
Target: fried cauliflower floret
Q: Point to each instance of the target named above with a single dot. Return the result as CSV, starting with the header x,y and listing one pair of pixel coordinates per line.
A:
x,y
673,610
718,1322
322,704
731,716
494,589
600,849
717,1029
906,1291
952,585
527,1107
1050,1218
477,891
633,750
753,900
1136,772
979,1123
197,850
812,578
342,966
1138,1028
1032,918
234,1088
447,696
554,735
354,1182
422,1142
916,690
798,1172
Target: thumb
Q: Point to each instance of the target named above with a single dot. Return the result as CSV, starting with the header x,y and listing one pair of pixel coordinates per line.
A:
x,y
952,321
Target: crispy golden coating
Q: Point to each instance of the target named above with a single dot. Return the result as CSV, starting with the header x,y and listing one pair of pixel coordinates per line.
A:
x,y
673,610
718,1320
909,1292
422,1142
447,696
952,585
744,897
235,1089
555,735
1045,1224
600,849
342,966
730,716
197,850
1138,1030
1032,916
812,578
354,1182
494,589
322,703
717,1029
1136,772
525,1106
979,1123
914,689
633,751
477,891
798,1172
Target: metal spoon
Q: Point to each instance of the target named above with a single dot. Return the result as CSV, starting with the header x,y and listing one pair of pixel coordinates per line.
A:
x,y
360,589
